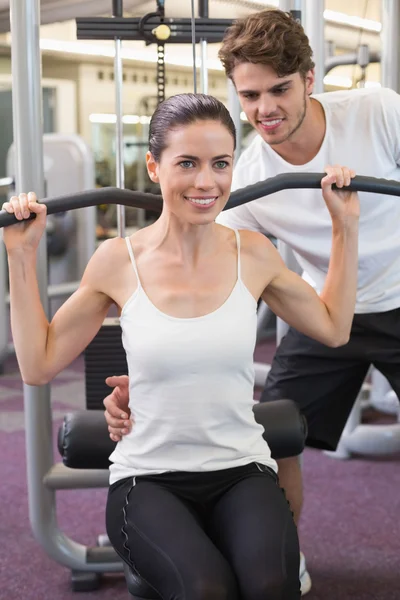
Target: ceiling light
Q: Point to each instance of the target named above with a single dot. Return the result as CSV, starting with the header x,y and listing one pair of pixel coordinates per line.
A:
x,y
127,53
110,118
102,118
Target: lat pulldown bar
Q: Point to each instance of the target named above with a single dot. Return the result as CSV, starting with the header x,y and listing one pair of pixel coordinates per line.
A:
x,y
284,181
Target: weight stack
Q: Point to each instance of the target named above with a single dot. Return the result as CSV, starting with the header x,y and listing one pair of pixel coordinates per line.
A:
x,y
104,356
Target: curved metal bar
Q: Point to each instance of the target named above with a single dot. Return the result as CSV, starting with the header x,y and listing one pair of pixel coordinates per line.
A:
x,y
291,181
107,195
348,59
285,181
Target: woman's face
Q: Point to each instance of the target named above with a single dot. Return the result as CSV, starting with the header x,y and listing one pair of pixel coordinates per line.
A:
x,y
195,171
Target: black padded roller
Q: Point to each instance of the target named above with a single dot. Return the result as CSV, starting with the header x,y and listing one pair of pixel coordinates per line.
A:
x,y
84,442
285,428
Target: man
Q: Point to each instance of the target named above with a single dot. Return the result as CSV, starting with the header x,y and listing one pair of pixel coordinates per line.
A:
x,y
268,58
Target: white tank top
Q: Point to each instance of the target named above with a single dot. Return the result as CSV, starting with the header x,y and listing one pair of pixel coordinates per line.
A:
x,y
190,387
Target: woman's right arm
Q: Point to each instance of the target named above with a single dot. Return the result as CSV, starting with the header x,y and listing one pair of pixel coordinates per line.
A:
x,y
43,349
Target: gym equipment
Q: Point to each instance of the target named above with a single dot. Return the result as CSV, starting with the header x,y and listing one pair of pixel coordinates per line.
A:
x,y
156,28
151,28
367,439
284,181
69,167
6,184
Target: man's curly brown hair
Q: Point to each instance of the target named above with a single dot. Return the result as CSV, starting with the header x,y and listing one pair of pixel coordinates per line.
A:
x,y
270,37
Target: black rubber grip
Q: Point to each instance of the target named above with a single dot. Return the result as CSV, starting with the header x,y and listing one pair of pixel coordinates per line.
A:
x,y
285,181
292,181
106,195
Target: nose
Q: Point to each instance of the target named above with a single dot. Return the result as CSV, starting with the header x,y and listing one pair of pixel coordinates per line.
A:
x,y
205,178
267,105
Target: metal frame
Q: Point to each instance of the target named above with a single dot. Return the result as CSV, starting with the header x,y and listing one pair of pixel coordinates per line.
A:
x,y
390,59
103,28
314,27
6,184
352,58
43,476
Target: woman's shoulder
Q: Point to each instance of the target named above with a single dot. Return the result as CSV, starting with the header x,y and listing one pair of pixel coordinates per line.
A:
x,y
251,242
110,248
109,255
117,247
255,243
259,253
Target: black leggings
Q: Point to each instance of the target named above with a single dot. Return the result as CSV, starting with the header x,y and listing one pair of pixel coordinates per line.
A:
x,y
223,535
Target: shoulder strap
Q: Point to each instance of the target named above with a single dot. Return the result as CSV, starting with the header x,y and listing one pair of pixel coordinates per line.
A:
x,y
238,254
129,246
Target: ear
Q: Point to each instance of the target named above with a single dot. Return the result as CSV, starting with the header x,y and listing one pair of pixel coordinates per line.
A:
x,y
309,81
152,167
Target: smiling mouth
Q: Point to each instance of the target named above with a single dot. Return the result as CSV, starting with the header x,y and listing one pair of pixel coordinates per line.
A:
x,y
201,201
270,124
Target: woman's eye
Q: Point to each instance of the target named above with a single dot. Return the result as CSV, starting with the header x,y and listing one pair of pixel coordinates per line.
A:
x,y
221,164
186,164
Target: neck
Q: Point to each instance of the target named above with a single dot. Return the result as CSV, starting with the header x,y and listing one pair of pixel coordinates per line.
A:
x,y
304,144
187,242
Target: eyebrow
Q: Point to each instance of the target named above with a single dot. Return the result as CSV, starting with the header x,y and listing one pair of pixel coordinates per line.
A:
x,y
190,157
274,88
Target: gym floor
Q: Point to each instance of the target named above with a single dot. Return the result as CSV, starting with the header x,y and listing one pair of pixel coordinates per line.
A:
x,y
350,532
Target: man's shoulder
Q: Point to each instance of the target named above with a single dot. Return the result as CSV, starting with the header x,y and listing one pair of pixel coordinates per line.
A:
x,y
357,98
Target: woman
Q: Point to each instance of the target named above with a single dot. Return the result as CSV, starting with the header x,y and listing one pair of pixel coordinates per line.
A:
x,y
194,504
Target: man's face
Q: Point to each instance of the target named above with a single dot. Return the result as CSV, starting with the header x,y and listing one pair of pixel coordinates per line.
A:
x,y
275,106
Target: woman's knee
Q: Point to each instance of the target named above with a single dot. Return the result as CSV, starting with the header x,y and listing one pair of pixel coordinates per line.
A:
x,y
209,590
273,587
277,578
213,588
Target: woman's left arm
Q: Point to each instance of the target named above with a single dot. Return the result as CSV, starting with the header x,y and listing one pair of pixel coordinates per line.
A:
x,y
326,317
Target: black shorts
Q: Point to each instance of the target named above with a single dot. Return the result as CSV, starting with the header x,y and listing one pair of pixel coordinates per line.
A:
x,y
325,381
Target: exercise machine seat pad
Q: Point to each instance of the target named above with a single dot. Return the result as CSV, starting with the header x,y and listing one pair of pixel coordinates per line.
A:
x,y
84,442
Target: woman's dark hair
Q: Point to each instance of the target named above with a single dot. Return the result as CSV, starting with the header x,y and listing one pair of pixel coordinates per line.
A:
x,y
185,109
